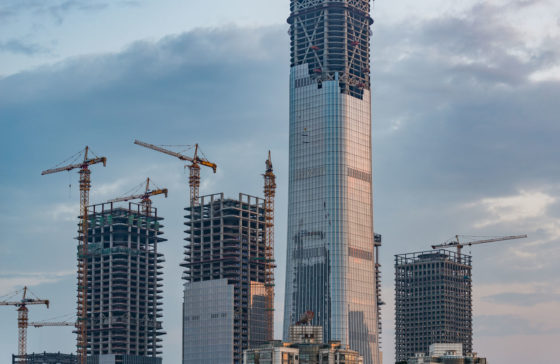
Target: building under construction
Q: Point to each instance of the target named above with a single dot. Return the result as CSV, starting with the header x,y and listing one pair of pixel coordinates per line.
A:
x,y
124,290
433,301
228,273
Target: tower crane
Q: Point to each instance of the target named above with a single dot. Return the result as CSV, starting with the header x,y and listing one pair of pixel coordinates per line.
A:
x,y
146,202
269,193
457,243
194,167
23,319
85,186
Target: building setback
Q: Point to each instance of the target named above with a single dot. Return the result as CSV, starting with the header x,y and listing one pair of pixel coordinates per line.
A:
x,y
124,291
433,301
224,309
330,250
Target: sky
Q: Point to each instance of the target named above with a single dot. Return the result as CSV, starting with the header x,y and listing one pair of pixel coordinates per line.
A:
x,y
465,128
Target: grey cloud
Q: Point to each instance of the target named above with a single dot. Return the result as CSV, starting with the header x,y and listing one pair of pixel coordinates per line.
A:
x,y
22,47
467,130
509,325
523,299
57,9
212,84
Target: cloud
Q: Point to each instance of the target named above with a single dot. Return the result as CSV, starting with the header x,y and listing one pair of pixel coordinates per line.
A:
x,y
523,299
63,212
12,281
525,205
22,47
457,118
511,325
57,9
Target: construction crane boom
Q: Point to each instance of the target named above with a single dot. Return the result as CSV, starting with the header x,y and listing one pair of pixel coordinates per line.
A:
x,y
142,195
460,245
85,186
43,324
146,201
23,319
70,167
194,168
182,157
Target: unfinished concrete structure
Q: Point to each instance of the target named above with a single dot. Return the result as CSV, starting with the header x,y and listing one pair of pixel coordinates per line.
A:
x,y
225,305
124,291
433,301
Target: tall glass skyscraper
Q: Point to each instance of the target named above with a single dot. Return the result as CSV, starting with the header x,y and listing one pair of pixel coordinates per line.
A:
x,y
331,265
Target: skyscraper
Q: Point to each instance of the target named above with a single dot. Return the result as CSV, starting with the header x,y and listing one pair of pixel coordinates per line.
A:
x,y
124,291
331,265
433,301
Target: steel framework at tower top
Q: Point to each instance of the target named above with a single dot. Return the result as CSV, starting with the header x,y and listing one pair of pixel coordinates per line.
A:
x,y
332,37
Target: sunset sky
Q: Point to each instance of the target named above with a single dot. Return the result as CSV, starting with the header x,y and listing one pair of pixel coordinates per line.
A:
x,y
466,109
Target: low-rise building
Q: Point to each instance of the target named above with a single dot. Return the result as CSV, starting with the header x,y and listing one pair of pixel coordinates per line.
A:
x,y
45,358
306,347
275,352
447,354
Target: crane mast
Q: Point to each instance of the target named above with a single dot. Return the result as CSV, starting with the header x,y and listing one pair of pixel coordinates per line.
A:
x,y
23,320
269,193
85,186
194,167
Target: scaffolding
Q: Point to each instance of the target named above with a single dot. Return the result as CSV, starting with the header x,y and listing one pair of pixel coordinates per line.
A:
x,y
124,276
333,38
433,299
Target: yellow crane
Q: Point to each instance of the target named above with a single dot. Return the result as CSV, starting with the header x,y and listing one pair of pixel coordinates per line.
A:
x,y
85,186
269,193
23,320
194,167
145,197
459,245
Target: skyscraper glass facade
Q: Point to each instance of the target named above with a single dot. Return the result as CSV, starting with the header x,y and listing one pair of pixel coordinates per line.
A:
x,y
331,265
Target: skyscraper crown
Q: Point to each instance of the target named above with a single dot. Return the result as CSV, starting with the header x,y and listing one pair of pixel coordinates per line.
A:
x,y
332,37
